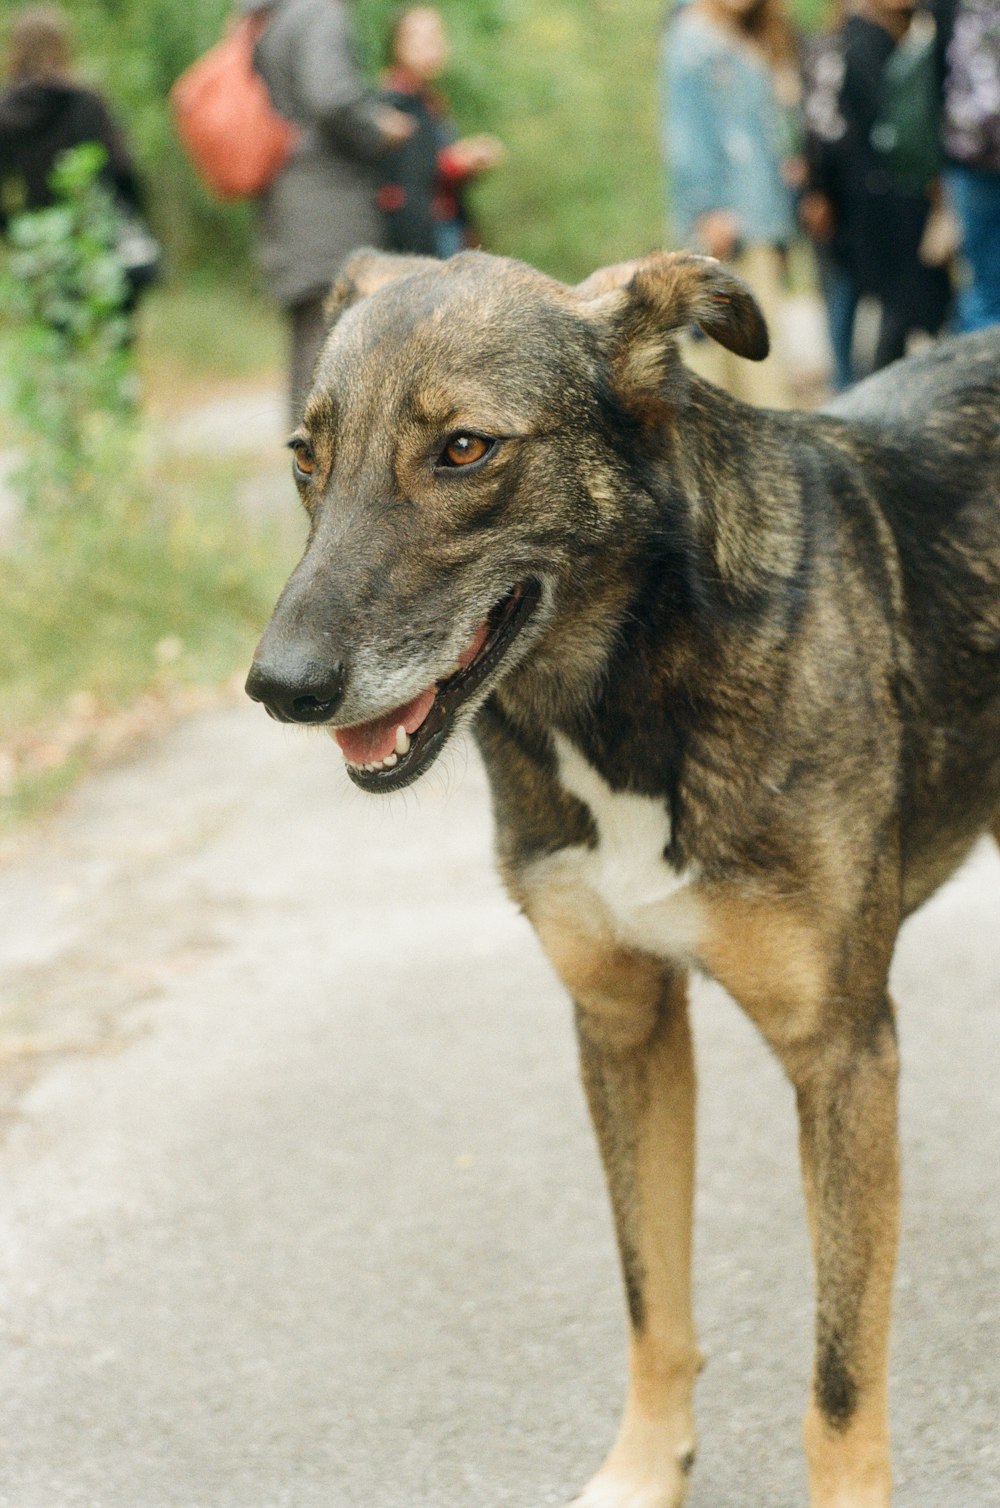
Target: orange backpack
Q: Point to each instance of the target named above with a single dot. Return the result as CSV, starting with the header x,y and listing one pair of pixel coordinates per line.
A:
x,y
223,115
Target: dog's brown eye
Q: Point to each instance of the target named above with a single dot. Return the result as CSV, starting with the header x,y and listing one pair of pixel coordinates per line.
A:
x,y
463,450
305,461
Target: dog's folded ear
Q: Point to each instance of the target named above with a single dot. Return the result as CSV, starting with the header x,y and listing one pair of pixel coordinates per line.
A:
x,y
668,291
365,272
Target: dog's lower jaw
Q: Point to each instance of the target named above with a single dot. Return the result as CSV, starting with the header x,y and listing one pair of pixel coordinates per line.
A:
x,y
455,699
648,1467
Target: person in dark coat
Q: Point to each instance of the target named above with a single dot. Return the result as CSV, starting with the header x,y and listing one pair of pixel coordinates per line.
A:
x,y
968,45
44,111
423,180
867,226
322,204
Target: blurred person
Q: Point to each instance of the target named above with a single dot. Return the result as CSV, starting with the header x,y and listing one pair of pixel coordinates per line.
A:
x,y
44,111
731,91
421,192
823,75
868,227
969,65
322,204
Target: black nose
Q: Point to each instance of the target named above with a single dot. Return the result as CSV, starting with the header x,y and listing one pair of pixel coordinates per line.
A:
x,y
297,691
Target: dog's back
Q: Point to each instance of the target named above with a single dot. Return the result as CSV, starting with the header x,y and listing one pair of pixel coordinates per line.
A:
x,y
928,435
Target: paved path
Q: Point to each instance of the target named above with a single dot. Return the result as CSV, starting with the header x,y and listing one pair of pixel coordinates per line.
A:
x,y
299,1203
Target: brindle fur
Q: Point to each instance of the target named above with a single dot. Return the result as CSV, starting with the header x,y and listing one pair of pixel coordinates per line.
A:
x,y
782,628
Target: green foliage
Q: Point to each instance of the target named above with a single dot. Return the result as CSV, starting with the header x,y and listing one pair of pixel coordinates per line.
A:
x,y
116,556
63,293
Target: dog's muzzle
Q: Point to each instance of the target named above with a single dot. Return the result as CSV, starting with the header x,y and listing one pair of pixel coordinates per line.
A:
x,y
297,691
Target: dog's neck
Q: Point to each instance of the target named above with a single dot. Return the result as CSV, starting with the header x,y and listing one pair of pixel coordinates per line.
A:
x,y
733,472
701,556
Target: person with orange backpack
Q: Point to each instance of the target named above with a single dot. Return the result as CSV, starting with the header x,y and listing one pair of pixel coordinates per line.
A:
x,y
321,206
307,148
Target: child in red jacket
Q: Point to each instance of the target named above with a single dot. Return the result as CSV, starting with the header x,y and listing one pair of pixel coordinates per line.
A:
x,y
422,180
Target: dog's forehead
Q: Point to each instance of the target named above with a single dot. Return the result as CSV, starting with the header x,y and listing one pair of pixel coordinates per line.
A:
x,y
494,327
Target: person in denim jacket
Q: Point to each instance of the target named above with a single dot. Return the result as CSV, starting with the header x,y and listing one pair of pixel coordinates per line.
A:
x,y
731,84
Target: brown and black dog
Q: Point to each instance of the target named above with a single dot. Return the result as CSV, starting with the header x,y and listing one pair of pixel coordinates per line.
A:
x,y
735,676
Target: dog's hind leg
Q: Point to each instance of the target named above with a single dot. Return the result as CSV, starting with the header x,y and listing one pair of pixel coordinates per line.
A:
x,y
846,1097
638,1071
837,1044
850,1159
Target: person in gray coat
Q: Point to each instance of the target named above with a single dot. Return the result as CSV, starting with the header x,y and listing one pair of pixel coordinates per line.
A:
x,y
322,204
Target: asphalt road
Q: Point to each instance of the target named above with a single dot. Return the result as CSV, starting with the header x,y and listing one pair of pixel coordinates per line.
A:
x,y
299,1202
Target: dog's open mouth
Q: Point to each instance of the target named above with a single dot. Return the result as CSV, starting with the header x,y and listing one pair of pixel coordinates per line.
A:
x,y
392,750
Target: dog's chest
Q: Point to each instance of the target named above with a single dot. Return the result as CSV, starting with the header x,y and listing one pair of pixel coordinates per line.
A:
x,y
626,876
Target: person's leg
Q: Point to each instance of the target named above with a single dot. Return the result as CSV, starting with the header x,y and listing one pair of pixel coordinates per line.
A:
x,y
307,328
449,239
708,360
840,296
894,327
975,197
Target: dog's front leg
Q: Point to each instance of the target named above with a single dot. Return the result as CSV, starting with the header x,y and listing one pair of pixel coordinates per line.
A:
x,y
638,1071
640,1084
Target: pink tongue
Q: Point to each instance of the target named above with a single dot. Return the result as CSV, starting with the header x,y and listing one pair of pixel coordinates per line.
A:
x,y
368,743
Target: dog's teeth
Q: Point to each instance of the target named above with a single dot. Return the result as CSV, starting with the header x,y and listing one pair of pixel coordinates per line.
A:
x,y
402,741
389,761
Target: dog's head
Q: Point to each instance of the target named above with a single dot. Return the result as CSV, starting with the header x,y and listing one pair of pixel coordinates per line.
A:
x,y
470,459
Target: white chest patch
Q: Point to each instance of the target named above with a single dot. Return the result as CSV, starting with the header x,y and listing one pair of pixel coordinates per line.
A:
x,y
645,899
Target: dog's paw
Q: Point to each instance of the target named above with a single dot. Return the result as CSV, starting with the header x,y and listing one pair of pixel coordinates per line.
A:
x,y
613,1488
649,1464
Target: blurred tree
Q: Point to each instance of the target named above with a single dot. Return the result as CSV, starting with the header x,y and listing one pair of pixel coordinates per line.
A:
x,y
64,294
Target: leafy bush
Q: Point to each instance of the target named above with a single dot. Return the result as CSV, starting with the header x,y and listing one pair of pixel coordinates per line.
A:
x,y
128,578
64,295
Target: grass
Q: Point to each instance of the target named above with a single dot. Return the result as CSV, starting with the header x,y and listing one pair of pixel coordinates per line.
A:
x,y
196,333
88,610
159,597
